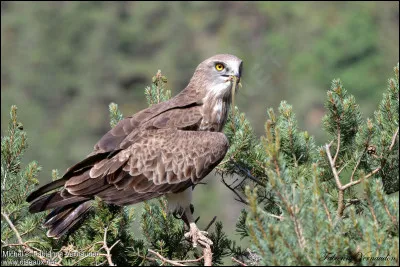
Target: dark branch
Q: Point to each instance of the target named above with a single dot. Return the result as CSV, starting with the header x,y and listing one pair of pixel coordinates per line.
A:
x,y
247,173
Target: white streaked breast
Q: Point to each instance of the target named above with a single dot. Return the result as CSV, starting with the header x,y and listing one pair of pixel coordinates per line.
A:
x,y
218,110
179,200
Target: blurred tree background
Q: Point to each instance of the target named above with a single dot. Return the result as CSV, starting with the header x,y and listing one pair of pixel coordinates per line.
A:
x,y
62,63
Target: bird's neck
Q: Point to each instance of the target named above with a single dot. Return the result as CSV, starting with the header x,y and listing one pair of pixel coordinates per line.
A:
x,y
215,109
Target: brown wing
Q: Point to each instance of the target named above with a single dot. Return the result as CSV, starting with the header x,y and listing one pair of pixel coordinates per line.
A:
x,y
159,162
167,114
125,132
178,119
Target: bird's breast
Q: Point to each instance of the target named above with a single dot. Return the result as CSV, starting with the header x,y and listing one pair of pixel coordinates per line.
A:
x,y
215,113
180,200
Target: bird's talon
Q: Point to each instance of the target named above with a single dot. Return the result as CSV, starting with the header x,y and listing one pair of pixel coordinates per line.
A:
x,y
198,236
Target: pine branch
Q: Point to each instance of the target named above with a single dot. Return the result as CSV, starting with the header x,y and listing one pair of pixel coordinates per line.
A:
x,y
229,186
207,253
172,262
296,221
248,174
377,169
238,261
210,223
115,114
332,163
108,249
394,139
28,249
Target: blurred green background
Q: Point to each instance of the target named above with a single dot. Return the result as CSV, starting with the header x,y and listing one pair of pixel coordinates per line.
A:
x,y
62,63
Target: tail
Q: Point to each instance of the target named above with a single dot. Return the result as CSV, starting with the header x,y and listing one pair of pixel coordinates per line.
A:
x,y
62,219
67,211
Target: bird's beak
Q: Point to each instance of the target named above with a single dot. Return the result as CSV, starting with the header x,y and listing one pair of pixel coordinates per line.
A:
x,y
238,73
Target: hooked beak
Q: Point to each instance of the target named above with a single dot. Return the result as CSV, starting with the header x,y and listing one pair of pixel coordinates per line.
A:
x,y
239,73
235,74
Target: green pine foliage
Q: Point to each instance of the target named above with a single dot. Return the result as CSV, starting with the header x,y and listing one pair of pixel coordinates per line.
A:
x,y
304,204
327,205
157,92
16,183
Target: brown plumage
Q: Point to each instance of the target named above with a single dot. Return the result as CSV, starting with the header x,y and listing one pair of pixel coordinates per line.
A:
x,y
164,149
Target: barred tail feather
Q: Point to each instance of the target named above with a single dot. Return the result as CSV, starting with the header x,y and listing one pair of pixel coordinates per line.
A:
x,y
60,220
67,211
53,200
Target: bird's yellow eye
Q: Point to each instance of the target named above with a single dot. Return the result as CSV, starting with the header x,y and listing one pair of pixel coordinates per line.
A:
x,y
219,66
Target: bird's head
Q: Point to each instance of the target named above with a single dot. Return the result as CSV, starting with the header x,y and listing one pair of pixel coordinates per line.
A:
x,y
216,74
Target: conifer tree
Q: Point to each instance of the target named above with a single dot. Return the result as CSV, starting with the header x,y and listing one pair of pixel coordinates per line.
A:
x,y
321,205
305,204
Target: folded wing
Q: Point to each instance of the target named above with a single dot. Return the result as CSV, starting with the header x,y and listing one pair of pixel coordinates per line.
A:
x,y
160,161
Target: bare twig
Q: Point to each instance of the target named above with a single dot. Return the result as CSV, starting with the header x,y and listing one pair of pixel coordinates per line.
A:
x,y
356,167
299,232
390,215
352,202
338,144
12,228
359,180
394,139
104,262
332,163
339,185
207,254
341,205
108,249
194,260
24,245
327,211
211,223
275,216
238,261
79,260
297,225
248,174
343,167
351,183
241,199
172,262
371,209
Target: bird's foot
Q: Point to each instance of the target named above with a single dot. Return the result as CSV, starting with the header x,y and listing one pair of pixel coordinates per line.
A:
x,y
198,237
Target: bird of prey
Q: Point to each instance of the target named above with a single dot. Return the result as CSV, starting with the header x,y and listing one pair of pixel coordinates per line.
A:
x,y
165,149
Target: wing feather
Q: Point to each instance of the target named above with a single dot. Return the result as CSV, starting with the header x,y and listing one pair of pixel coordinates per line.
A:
x,y
127,130
161,161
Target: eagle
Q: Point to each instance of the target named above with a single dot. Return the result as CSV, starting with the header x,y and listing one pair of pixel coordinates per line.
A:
x,y
165,149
